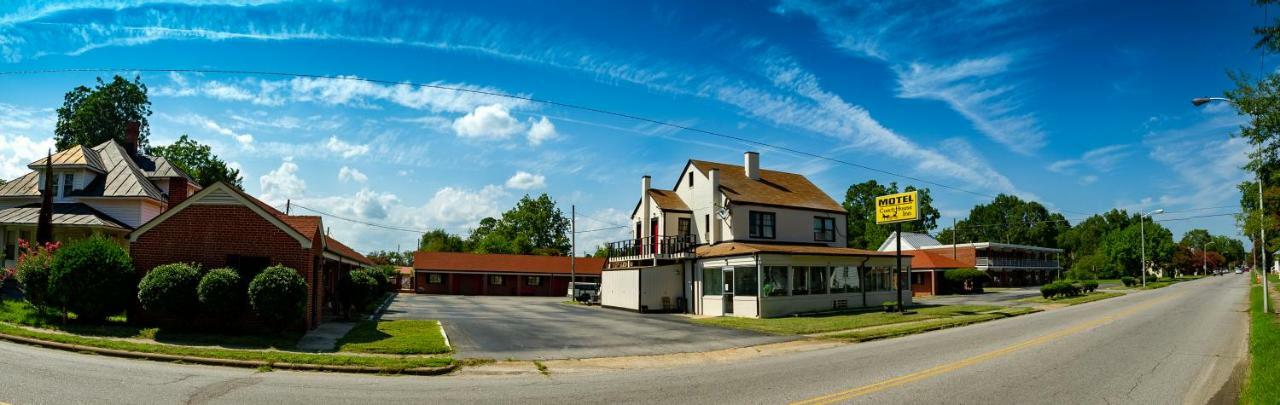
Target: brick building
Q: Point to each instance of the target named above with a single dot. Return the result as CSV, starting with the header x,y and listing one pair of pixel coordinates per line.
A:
x,y
222,226
499,274
1008,265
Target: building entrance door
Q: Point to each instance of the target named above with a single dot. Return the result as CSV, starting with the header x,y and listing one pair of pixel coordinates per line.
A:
x,y
728,290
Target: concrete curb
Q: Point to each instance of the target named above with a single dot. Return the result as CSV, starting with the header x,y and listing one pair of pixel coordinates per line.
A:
x,y
377,313
445,335
224,362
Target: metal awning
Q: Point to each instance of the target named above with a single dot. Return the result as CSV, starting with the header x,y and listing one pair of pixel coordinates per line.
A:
x,y
71,214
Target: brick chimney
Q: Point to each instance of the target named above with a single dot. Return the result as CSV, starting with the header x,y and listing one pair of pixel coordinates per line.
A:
x,y
751,165
178,190
131,137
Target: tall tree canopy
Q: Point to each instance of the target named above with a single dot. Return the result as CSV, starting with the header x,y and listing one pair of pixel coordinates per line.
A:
x,y
92,116
439,240
1259,99
533,226
391,257
198,161
1009,219
861,227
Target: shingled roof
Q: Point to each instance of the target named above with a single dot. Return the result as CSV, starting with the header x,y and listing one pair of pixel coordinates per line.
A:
x,y
773,188
120,174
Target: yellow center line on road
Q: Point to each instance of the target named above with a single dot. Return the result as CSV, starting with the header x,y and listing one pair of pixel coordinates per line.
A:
x,y
981,358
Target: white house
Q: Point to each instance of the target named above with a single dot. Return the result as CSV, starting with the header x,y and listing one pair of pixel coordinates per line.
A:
x,y
742,241
108,189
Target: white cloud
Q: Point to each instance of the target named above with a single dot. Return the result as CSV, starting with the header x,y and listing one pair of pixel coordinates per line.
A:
x,y
608,222
1095,161
964,88
491,121
19,144
245,140
346,174
523,180
1206,163
452,207
541,130
347,150
349,91
282,183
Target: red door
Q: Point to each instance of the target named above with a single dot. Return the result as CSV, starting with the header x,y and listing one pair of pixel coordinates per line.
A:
x,y
655,235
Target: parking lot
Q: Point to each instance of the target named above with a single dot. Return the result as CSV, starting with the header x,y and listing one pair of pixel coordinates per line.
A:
x,y
527,328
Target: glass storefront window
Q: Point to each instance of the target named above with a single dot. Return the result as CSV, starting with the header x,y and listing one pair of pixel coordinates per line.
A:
x,y
712,281
775,281
744,281
880,278
818,280
844,279
800,280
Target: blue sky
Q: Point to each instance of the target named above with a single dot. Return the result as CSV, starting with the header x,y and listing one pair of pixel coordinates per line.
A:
x,y
1082,106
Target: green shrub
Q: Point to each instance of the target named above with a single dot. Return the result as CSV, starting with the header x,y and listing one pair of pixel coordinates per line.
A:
x,y
278,295
967,280
1128,281
1049,290
363,287
1090,286
93,278
220,293
170,290
33,271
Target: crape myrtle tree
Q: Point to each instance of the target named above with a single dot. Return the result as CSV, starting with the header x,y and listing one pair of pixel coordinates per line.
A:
x,y
860,203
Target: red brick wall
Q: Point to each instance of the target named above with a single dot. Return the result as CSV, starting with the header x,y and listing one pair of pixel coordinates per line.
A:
x,y
177,191
207,234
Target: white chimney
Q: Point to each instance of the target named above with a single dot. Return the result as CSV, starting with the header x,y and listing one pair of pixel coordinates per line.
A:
x,y
713,177
751,165
645,229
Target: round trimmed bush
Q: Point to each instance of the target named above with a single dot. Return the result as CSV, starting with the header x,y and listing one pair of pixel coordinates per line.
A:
x,y
170,290
220,293
1128,281
968,280
33,276
278,295
1090,286
1049,290
363,287
93,278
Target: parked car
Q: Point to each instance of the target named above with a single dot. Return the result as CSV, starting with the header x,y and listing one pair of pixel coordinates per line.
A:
x,y
587,293
1238,271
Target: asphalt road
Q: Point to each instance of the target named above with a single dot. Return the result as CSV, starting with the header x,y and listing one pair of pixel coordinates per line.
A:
x,y
1173,345
530,328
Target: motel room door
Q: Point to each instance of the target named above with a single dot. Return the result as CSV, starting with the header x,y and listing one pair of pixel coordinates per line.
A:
x,y
728,290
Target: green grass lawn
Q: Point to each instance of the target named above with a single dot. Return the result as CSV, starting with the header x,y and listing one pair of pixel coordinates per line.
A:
x,y
1262,386
808,324
929,325
1079,299
394,337
22,313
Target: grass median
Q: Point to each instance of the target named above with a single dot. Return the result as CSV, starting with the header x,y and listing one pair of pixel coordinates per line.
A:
x,y
820,323
395,337
1263,383
1076,300
928,325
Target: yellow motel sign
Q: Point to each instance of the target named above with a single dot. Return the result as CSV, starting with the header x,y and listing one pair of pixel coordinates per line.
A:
x,y
901,207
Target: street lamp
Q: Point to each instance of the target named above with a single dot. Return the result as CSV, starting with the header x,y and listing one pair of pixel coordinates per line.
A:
x,y
1262,230
1204,257
1142,233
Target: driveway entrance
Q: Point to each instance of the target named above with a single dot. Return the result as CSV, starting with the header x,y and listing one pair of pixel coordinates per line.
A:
x,y
527,328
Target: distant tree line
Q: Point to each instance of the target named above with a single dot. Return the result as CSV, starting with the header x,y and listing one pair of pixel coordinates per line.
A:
x,y
535,226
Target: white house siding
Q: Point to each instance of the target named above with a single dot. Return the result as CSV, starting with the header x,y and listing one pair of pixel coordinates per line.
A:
x,y
620,289
757,306
658,283
790,224
150,209
127,210
713,305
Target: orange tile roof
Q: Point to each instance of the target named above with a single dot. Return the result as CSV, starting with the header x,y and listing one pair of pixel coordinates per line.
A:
x,y
922,259
744,248
773,188
309,226
335,247
502,263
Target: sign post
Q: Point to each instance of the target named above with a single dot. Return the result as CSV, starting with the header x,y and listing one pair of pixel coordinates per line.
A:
x,y
896,209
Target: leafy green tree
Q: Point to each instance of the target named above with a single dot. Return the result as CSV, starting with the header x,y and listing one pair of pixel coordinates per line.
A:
x,y
1259,100
1094,266
391,257
1232,249
199,162
1009,219
1084,238
439,240
89,117
1196,239
601,252
1125,247
533,226
861,227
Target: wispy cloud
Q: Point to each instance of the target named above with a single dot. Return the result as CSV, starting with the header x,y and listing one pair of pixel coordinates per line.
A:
x,y
964,87
1207,164
1092,162
337,91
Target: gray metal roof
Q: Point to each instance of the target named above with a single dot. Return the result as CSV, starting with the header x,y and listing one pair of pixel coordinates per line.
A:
x,y
122,176
910,240
73,214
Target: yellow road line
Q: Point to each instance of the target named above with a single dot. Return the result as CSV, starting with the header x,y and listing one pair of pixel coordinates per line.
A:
x,y
981,358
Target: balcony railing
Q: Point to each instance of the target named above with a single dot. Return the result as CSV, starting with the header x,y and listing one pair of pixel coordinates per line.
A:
x,y
660,247
1026,263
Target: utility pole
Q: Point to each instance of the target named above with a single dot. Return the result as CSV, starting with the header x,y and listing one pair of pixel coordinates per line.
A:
x,y
953,238
897,231
573,243
287,205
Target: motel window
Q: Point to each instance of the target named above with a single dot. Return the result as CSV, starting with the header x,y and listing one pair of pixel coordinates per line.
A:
x,y
824,229
775,281
533,280
435,278
880,279
917,278
712,281
761,224
495,280
844,279
744,281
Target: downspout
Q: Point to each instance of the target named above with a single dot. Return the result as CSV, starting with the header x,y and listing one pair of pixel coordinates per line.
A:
x,y
862,281
759,287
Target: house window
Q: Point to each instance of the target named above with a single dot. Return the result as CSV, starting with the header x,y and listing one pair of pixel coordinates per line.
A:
x,y
495,280
706,223
844,279
824,229
775,281
712,281
683,227
690,179
435,278
64,189
744,282
533,280
761,224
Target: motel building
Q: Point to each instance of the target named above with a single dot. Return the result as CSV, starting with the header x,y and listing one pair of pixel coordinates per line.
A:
x,y
742,241
456,273
1009,265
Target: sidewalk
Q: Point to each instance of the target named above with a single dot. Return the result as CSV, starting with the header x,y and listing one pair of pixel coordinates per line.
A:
x,y
324,338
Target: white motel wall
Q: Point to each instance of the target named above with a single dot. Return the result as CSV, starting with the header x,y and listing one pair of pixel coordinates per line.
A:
x,y
763,285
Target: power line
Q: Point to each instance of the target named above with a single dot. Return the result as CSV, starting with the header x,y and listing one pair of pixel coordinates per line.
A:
x,y
510,96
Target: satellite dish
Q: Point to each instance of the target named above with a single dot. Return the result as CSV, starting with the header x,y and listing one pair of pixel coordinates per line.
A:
x,y
723,212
